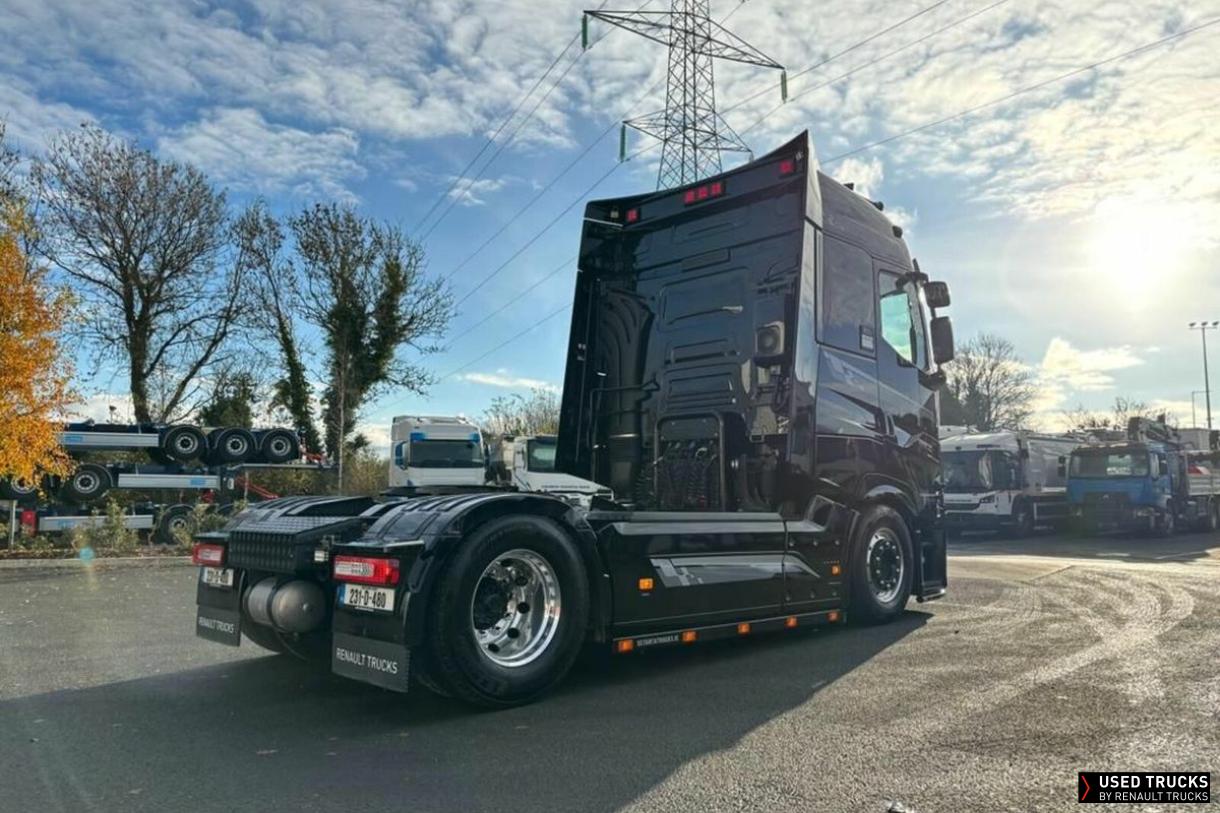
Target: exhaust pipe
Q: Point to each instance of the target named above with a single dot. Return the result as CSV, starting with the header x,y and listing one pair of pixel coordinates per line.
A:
x,y
295,606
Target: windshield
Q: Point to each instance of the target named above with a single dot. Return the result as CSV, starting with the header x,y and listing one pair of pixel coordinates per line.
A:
x,y
445,454
978,470
541,455
1113,464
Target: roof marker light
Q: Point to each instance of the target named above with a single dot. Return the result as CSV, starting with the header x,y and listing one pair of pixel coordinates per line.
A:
x,y
787,166
633,215
698,194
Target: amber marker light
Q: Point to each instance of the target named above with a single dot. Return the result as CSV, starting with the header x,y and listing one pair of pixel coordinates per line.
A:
x,y
835,570
832,616
790,622
743,628
624,646
646,585
689,637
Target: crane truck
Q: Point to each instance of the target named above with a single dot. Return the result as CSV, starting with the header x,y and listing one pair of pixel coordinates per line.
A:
x,y
752,369
1154,481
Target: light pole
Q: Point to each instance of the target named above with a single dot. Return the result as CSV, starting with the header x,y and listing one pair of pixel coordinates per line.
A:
x,y
1203,327
1194,421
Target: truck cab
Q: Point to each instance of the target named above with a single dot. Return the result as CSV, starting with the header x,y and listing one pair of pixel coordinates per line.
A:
x,y
1009,481
527,463
430,452
752,370
1154,481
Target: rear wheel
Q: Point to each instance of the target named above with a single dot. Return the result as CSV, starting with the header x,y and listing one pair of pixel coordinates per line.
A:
x,y
1167,522
509,613
19,489
881,566
1023,521
175,525
89,483
278,446
234,445
182,444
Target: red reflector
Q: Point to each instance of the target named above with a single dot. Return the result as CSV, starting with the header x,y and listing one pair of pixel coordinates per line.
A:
x,y
365,570
787,166
208,555
633,215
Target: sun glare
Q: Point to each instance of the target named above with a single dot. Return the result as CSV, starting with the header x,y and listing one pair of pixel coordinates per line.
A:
x,y
1138,248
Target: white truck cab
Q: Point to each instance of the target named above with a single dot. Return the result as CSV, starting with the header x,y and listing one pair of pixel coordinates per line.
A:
x,y
432,451
1005,480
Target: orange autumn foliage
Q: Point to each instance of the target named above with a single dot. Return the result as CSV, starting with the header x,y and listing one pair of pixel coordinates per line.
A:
x,y
35,373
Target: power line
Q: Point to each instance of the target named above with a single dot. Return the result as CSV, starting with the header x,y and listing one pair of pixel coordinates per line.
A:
x,y
566,264
550,224
835,56
876,60
1028,89
453,200
506,342
491,139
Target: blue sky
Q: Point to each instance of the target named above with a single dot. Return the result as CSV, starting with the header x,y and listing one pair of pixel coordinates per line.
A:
x,y
1078,220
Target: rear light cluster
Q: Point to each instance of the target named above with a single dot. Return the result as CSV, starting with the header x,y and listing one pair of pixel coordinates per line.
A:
x,y
698,194
365,570
208,555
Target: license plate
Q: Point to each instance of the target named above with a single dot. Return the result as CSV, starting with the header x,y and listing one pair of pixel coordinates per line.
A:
x,y
359,597
218,576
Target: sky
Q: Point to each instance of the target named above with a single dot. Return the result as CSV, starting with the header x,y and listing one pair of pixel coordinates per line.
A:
x,y
1079,219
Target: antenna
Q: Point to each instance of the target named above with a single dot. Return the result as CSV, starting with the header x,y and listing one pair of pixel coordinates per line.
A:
x,y
691,132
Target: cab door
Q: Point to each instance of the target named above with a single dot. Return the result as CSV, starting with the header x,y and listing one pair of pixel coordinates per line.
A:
x,y
907,399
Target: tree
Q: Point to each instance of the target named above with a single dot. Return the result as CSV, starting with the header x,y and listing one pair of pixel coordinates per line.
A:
x,y
232,401
142,241
516,414
1124,409
362,285
994,387
35,372
276,297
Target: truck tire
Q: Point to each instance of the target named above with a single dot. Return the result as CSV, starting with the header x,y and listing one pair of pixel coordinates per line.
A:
x,y
1023,521
232,445
1167,523
1210,521
173,521
89,483
182,444
882,566
19,490
278,446
496,634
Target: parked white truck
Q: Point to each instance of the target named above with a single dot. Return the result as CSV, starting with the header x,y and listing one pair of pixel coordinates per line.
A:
x,y
1011,481
527,463
433,453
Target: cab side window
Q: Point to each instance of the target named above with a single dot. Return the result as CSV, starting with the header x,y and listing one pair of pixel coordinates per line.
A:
x,y
847,317
901,323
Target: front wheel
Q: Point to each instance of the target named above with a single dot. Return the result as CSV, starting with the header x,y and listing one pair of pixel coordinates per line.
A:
x,y
1023,521
881,566
509,613
1167,522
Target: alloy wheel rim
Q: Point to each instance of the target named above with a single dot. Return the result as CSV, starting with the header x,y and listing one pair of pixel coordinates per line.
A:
x,y
515,609
886,567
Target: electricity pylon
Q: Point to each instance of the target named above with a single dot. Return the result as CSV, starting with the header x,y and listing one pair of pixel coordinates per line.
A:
x,y
691,132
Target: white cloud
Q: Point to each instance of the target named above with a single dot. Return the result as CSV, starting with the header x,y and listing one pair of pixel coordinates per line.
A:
x,y
240,148
864,174
474,193
503,379
1085,370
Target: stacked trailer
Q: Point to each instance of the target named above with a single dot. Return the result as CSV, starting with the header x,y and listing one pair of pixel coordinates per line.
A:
x,y
204,461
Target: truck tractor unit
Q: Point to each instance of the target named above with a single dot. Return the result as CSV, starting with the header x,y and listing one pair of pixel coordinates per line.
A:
x,y
1006,481
1153,482
752,370
433,454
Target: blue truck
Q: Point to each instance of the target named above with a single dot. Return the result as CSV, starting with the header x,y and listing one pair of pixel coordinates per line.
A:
x,y
1156,480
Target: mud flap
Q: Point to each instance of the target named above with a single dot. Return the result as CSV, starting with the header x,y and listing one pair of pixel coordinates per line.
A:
x,y
933,563
221,626
380,663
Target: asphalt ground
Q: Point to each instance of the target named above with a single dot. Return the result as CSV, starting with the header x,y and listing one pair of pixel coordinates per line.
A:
x,y
1048,656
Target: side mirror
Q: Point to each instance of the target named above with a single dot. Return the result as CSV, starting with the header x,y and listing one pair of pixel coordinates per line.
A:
x,y
942,339
937,294
399,459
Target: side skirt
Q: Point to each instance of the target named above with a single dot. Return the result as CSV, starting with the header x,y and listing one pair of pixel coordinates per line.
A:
x,y
741,629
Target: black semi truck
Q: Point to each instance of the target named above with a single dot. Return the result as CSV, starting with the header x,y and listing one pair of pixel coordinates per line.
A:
x,y
752,370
